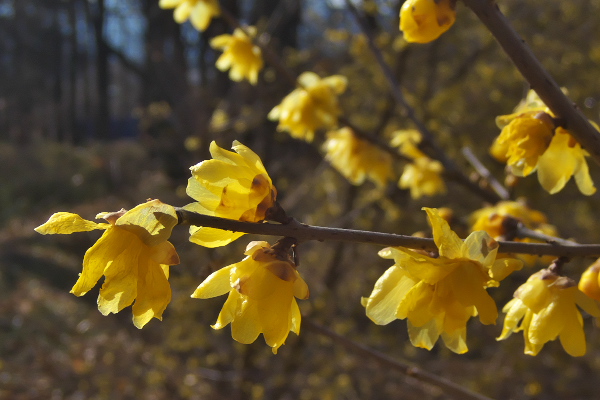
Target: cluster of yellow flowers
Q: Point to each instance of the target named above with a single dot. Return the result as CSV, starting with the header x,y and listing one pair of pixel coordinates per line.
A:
x,y
134,254
357,159
530,141
436,293
423,176
423,21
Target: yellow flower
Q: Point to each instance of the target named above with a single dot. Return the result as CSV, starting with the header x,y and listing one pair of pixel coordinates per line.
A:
x,y
530,141
199,12
423,177
314,105
590,281
493,219
231,185
544,308
422,21
240,55
439,295
133,254
261,299
357,159
523,140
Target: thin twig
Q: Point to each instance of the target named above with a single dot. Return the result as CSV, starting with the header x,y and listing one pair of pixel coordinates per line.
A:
x,y
448,387
303,232
485,173
534,72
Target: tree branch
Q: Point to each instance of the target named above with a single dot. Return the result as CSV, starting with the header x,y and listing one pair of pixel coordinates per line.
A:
x,y
534,72
303,232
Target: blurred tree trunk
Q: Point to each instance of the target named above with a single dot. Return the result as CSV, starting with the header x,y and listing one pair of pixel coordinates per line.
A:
x,y
102,72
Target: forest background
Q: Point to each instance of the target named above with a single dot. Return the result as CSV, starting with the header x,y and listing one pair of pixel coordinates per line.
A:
x,y
106,103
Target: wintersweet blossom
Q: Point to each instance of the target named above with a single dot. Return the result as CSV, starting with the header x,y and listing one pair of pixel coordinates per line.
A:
x,y
439,295
314,105
493,220
530,141
423,176
231,185
544,308
262,295
357,159
199,12
133,254
590,281
240,55
423,21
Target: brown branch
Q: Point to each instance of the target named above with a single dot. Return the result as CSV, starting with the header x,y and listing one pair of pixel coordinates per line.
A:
x,y
303,232
534,72
449,387
485,173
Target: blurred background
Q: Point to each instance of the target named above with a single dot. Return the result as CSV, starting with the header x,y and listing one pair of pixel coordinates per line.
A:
x,y
105,103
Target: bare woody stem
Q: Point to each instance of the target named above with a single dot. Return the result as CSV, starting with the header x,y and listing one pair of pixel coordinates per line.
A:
x,y
448,387
302,232
534,72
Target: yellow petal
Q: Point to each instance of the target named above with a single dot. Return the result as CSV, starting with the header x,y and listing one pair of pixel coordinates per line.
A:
x,y
216,284
572,338
66,223
557,164
296,317
456,341
98,257
425,336
164,253
153,292
587,304
152,222
250,157
212,237
390,289
480,247
169,3
503,267
582,177
300,288
121,278
182,12
229,310
515,311
246,327
448,242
